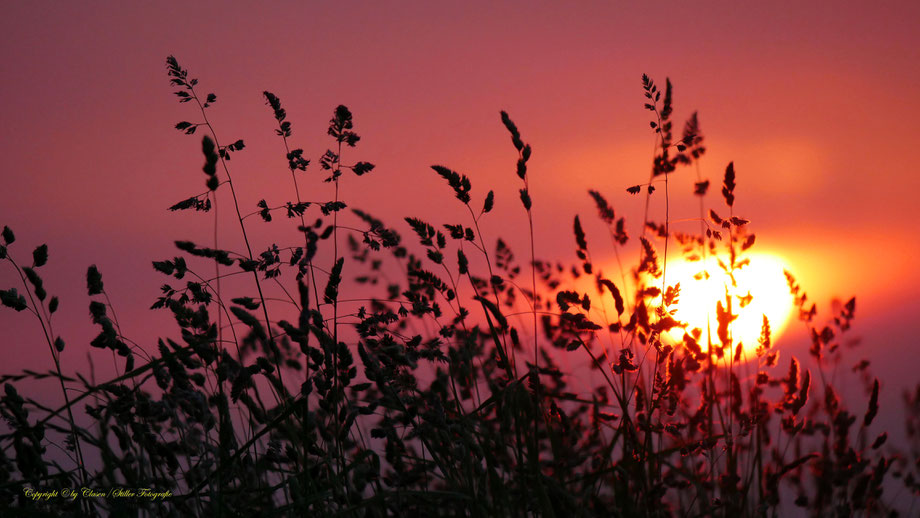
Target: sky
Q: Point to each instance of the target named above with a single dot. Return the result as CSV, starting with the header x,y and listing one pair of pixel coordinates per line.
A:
x,y
814,103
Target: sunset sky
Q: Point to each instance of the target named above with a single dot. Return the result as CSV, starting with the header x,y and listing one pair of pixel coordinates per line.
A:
x,y
816,104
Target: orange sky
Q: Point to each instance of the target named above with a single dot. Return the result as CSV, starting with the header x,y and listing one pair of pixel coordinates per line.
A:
x,y
817,106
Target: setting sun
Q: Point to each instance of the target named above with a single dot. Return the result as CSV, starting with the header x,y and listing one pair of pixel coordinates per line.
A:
x,y
762,279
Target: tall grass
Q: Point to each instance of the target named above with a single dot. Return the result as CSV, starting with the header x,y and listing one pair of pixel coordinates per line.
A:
x,y
456,404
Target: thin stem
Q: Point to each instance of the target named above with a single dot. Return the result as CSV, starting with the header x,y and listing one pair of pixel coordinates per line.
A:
x,y
57,365
236,206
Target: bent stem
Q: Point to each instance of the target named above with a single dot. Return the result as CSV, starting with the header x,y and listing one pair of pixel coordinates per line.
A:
x,y
57,366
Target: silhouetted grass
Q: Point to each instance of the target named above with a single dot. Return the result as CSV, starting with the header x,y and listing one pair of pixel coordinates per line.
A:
x,y
438,392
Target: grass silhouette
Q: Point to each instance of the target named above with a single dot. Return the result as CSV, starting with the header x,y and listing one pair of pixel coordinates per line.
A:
x,y
428,397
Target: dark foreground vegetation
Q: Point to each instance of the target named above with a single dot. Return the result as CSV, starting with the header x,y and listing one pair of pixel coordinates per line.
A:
x,y
438,391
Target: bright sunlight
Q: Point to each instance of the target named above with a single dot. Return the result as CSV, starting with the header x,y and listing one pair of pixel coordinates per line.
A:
x,y
760,289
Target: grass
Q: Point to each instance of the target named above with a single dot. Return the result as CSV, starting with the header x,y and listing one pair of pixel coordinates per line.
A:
x,y
438,391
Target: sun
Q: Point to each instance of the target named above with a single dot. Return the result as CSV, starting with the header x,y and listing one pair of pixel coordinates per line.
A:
x,y
759,288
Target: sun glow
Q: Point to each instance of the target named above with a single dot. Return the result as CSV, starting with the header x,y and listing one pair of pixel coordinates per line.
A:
x,y
759,289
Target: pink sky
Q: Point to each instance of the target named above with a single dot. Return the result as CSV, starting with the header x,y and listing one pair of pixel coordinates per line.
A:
x,y
816,105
